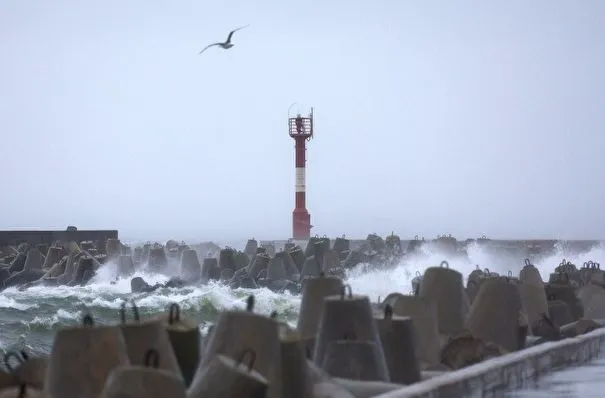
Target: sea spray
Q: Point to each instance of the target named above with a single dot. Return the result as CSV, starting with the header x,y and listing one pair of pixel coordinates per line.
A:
x,y
31,317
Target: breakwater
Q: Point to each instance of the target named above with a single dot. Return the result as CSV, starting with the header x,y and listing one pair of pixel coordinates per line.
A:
x,y
41,237
513,371
103,295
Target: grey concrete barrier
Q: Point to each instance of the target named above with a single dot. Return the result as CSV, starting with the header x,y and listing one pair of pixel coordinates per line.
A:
x,y
510,371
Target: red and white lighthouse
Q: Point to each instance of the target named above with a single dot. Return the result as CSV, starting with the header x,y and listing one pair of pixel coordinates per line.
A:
x,y
301,129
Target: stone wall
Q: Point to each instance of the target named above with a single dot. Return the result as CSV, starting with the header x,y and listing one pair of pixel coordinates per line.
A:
x,y
48,237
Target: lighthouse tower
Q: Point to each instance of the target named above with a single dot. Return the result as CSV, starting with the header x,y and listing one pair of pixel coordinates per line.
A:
x,y
301,130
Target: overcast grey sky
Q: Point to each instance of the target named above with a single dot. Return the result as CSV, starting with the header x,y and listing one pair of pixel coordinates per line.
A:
x,y
432,117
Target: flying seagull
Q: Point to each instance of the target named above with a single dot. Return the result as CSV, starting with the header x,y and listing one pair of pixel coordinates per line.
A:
x,y
227,44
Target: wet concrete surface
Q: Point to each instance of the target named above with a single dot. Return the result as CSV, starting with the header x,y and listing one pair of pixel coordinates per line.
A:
x,y
585,381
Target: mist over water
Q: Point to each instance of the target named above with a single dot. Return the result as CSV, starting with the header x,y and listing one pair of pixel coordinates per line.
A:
x,y
382,282
30,318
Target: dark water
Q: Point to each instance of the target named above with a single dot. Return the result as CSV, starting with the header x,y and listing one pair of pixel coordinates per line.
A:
x,y
29,319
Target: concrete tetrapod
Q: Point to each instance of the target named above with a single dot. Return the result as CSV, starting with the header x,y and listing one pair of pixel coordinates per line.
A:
x,y
533,299
145,251
185,340
494,315
17,263
261,337
445,287
210,269
242,279
424,318
563,277
43,248
597,277
30,371
226,274
4,275
342,256
473,285
314,291
224,377
241,260
319,250
269,249
292,272
250,248
565,292
324,386
330,260
156,259
137,255
70,267
294,369
113,248
81,358
260,263
347,315
32,270
143,381
585,273
310,248
311,268
142,336
83,272
559,313
341,244
530,274
251,259
276,270
416,282
355,360
53,256
298,256
173,255
390,299
398,339
125,265
475,274
7,379
352,259
58,269
22,391
191,269
593,300
331,264
393,244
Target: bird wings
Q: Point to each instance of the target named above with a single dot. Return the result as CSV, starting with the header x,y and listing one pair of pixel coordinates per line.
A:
x,y
226,43
233,31
208,46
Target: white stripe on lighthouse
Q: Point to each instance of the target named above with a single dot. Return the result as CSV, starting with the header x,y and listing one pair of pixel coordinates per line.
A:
x,y
300,179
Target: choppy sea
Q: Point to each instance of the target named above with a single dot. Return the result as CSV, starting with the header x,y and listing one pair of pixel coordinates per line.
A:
x,y
30,318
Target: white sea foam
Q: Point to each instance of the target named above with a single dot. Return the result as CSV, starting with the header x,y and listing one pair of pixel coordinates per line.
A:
x,y
398,279
106,291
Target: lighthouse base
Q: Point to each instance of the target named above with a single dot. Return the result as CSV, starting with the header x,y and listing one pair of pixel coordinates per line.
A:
x,y
301,224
